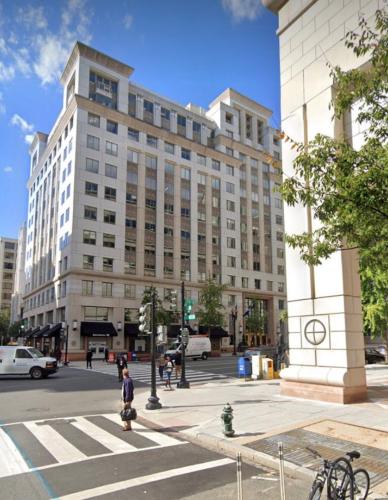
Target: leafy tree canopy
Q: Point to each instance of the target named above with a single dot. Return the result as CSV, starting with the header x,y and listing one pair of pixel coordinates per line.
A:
x,y
347,189
211,312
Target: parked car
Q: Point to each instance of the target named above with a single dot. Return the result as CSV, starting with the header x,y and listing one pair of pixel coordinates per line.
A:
x,y
22,360
373,356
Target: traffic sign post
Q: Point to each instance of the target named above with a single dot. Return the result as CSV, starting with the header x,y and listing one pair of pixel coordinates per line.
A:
x,y
183,383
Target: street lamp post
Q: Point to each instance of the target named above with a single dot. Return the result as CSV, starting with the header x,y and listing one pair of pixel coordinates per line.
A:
x,y
234,319
66,344
153,400
183,383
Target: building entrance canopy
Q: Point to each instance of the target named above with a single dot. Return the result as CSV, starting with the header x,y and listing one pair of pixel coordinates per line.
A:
x,y
97,329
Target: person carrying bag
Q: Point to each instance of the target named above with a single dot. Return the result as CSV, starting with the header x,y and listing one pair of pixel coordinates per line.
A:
x,y
127,393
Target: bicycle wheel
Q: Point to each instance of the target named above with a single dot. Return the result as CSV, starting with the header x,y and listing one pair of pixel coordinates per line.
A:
x,y
340,480
361,483
316,490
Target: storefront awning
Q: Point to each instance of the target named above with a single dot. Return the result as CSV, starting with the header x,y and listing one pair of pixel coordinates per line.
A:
x,y
131,329
42,332
215,332
97,329
34,332
53,331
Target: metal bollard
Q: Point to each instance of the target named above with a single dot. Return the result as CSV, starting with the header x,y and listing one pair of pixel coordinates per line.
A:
x,y
281,472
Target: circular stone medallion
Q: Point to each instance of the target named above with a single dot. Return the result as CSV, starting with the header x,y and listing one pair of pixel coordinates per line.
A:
x,y
315,332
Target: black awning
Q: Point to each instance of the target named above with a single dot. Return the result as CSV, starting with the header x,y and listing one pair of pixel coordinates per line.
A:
x,y
97,329
174,330
42,332
215,332
35,332
27,333
53,331
131,329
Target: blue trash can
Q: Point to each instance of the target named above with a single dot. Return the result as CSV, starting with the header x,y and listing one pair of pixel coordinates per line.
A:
x,y
244,367
134,357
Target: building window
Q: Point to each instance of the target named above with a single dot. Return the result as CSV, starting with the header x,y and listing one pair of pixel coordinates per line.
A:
x,y
231,242
230,205
131,104
132,178
106,289
168,208
281,287
279,219
110,193
202,179
231,280
93,142
279,236
90,213
109,217
129,291
93,120
181,120
92,313
256,265
215,183
87,287
133,134
148,111
108,240
110,171
257,284
165,116
149,203
186,154
201,159
230,188
185,173
132,156
185,194
151,162
152,141
229,118
168,231
244,282
112,127
281,270
88,262
107,264
230,170
278,203
229,151
231,224
185,212
185,235
280,253
111,148
92,165
169,168
269,286
216,165
89,237
131,199
130,223
231,261
260,132
91,188
149,226
169,148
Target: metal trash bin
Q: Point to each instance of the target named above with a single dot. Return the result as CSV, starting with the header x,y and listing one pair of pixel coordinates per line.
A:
x,y
268,369
244,367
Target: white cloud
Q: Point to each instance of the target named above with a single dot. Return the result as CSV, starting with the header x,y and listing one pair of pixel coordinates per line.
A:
x,y
128,20
2,105
243,9
6,72
32,17
21,123
28,138
8,169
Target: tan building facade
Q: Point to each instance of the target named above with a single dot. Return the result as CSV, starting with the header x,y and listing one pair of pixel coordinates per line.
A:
x,y
324,308
8,252
130,189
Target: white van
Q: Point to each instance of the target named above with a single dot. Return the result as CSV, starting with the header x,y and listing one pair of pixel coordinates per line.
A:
x,y
21,360
198,347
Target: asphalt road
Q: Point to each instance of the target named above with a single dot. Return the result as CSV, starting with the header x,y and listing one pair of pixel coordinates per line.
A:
x,y
61,438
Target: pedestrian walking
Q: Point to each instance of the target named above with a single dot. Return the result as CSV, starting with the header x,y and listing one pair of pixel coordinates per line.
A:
x,y
178,364
127,394
121,363
89,357
168,368
161,364
106,353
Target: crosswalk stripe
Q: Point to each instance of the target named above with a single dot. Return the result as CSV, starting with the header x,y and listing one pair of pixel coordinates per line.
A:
x,y
11,460
113,443
60,448
141,481
158,437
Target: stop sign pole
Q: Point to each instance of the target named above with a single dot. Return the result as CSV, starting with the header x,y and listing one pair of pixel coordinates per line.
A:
x,y
183,383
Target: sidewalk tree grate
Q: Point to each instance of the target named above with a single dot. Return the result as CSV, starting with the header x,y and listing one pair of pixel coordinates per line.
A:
x,y
374,460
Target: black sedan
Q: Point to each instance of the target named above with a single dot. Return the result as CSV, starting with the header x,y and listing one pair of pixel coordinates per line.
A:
x,y
373,356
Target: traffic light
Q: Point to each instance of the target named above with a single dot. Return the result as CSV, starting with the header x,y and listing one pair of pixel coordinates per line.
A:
x,y
144,319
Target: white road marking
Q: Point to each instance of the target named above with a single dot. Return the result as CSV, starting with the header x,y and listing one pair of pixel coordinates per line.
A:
x,y
158,437
141,481
59,447
110,441
11,460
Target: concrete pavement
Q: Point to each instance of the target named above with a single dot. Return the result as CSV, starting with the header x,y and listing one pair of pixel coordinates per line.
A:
x,y
261,414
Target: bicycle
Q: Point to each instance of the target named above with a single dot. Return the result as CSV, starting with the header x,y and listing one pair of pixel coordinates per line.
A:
x,y
342,482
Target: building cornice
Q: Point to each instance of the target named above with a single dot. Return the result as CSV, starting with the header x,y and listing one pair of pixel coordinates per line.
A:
x,y
246,101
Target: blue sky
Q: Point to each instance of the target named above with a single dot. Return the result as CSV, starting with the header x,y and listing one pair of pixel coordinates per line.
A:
x,y
186,50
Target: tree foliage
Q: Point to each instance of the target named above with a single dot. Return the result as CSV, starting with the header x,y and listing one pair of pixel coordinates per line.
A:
x,y
256,321
163,316
211,312
347,189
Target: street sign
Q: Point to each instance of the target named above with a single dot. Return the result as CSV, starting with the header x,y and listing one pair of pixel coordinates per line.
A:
x,y
191,316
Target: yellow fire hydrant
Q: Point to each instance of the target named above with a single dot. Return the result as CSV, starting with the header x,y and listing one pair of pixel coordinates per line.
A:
x,y
227,417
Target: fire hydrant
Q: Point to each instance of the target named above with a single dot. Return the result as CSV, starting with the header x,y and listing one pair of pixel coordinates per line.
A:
x,y
227,417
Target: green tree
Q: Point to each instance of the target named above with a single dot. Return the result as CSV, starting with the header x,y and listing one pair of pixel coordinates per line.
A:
x,y
211,312
347,189
15,329
256,321
4,326
163,316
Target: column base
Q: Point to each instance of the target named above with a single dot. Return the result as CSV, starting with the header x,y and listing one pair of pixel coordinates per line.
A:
x,y
321,392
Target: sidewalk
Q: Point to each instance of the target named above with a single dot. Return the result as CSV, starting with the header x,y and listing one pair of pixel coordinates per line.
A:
x,y
262,417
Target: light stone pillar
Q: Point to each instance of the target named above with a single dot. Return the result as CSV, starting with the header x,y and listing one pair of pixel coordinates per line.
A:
x,y
324,309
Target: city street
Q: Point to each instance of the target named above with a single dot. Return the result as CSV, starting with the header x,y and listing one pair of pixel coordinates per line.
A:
x,y
61,438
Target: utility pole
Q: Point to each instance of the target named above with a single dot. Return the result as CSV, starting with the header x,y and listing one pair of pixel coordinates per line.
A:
x,y
183,383
153,400
66,344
